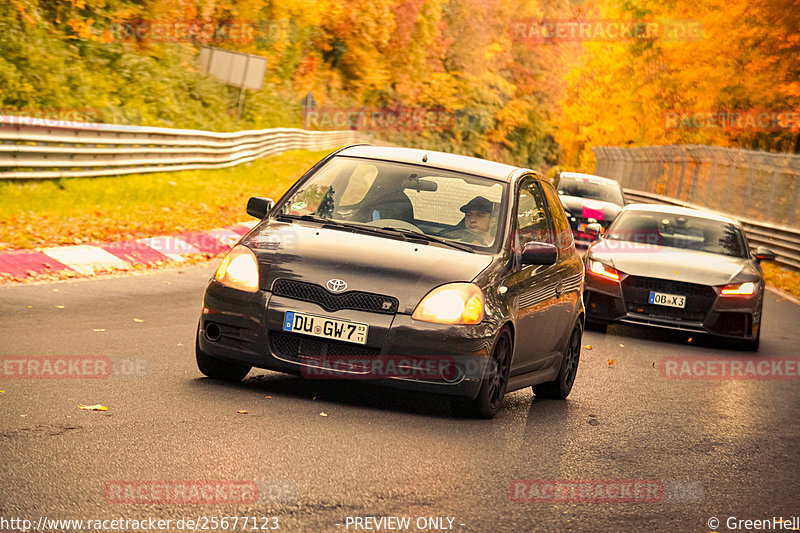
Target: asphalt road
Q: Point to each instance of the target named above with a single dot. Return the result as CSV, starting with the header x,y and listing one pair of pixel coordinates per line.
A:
x,y
717,448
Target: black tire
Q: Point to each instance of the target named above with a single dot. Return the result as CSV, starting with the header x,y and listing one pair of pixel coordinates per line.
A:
x,y
752,345
600,327
219,368
494,383
560,388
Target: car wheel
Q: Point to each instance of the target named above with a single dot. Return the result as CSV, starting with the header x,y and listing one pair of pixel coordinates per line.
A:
x,y
494,383
752,345
219,368
560,388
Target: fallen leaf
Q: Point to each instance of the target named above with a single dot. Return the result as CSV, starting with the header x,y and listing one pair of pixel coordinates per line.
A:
x,y
654,364
23,415
621,345
242,411
180,344
611,362
101,329
2,392
138,320
295,437
55,290
30,307
59,307
588,346
268,397
676,271
690,339
322,414
97,407
314,398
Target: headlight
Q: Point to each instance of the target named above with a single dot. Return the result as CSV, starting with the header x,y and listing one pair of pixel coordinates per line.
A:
x,y
454,303
239,270
739,289
603,270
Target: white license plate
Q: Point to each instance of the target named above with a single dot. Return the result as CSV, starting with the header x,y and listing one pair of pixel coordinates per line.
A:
x,y
327,328
669,300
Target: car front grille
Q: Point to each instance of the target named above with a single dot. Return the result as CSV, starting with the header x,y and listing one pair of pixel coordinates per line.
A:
x,y
293,346
357,300
699,298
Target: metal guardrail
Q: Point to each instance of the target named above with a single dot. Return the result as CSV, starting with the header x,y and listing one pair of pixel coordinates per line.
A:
x,y
34,148
782,240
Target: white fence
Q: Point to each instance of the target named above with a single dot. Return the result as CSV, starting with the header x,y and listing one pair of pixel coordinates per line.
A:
x,y
35,148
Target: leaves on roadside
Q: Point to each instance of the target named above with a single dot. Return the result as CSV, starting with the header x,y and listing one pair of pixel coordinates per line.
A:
x,y
323,414
242,411
611,362
96,407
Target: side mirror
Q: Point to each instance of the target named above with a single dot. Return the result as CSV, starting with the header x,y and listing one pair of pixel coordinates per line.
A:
x,y
539,253
594,229
258,207
764,254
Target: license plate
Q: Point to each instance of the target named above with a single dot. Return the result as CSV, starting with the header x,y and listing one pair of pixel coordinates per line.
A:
x,y
327,328
669,300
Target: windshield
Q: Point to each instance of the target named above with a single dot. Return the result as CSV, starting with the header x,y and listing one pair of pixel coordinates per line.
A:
x,y
458,207
589,188
679,231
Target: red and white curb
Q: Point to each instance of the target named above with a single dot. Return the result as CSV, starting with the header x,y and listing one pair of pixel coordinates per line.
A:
x,y
90,258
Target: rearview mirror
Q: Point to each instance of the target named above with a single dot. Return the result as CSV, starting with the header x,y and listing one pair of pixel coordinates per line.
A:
x,y
593,229
258,207
764,254
539,253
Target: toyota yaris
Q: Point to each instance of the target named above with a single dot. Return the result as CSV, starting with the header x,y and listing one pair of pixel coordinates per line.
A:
x,y
414,269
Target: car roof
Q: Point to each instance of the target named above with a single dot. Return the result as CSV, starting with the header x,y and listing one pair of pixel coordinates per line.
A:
x,y
434,159
676,210
609,181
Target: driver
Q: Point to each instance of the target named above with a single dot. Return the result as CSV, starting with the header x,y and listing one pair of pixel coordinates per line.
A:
x,y
478,217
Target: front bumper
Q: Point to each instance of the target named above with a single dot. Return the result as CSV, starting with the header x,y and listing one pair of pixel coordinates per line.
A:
x,y
250,327
626,302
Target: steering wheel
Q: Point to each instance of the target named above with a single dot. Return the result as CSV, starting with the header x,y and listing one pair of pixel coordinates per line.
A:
x,y
466,235
394,223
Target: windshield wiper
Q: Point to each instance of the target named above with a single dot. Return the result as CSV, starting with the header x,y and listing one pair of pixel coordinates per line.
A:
x,y
311,218
429,238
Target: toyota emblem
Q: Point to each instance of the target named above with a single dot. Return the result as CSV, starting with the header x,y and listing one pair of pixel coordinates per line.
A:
x,y
336,285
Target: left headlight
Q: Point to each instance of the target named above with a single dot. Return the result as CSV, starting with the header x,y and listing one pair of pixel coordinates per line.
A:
x,y
239,270
454,303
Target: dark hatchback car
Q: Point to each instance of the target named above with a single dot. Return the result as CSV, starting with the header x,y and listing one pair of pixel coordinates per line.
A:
x,y
413,269
676,268
589,199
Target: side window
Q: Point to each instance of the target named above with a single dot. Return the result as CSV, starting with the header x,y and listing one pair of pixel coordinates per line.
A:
x,y
563,235
532,222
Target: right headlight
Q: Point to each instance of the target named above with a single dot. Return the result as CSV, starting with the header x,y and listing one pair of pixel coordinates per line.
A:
x,y
601,269
239,270
454,303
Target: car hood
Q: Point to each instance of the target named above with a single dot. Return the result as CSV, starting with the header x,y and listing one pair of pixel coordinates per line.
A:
x,y
585,207
315,254
689,266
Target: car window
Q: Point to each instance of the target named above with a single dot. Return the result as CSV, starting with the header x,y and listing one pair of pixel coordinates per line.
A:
x,y
679,231
591,189
532,222
563,235
452,205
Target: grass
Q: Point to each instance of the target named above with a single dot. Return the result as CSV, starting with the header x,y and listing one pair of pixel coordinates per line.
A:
x,y
782,278
35,214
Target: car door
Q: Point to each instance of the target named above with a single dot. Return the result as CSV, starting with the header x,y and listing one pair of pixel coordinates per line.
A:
x,y
568,269
532,288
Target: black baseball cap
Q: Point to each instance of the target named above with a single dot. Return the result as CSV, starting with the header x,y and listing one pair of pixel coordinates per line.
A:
x,y
479,203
